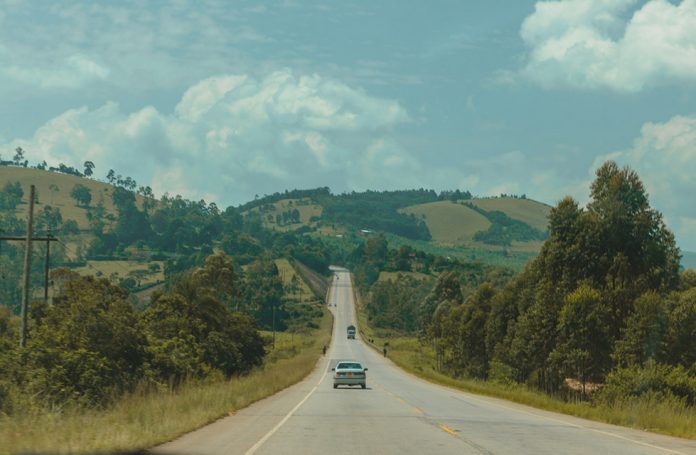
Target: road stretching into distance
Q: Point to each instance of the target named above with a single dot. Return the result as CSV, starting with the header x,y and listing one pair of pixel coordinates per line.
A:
x,y
402,414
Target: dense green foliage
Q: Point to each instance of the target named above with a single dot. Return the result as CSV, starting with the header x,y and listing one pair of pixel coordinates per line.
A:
x,y
90,344
406,303
590,301
602,303
10,196
378,210
81,194
505,230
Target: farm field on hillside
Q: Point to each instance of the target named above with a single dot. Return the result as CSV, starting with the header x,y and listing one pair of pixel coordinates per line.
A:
x,y
305,207
141,272
301,291
531,212
449,222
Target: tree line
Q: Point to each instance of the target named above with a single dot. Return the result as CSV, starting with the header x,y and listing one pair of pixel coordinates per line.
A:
x,y
91,344
603,304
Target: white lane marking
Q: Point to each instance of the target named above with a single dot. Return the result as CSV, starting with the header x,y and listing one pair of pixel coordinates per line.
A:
x,y
261,441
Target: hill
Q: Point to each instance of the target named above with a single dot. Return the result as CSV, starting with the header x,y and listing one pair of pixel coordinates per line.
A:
x,y
450,223
288,214
505,230
54,189
535,214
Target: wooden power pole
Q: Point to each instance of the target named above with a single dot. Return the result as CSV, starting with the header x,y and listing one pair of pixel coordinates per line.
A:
x,y
27,263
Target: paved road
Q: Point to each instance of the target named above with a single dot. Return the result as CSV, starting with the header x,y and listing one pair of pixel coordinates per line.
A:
x,y
401,414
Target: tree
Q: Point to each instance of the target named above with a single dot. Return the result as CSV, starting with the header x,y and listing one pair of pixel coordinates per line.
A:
x,y
642,337
81,194
89,166
190,332
218,276
582,351
49,218
18,156
86,345
11,196
111,176
681,329
70,227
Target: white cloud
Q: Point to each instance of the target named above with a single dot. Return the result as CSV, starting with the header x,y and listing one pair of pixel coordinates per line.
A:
x,y
233,136
592,44
72,72
664,155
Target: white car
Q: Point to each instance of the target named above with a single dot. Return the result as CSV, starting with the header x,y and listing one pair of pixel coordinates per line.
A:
x,y
349,372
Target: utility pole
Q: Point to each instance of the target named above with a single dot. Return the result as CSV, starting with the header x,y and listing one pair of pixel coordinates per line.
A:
x,y
48,239
273,325
27,262
46,264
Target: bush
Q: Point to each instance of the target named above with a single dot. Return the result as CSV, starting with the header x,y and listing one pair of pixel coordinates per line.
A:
x,y
654,379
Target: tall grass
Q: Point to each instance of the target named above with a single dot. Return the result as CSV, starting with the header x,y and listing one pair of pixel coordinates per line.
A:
x,y
147,418
645,413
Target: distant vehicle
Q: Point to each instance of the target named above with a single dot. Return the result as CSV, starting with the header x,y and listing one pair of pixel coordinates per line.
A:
x,y
349,372
351,332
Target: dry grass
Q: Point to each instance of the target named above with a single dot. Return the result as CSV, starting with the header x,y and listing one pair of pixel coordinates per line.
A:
x,y
149,418
660,417
124,269
531,212
43,180
305,206
287,272
450,223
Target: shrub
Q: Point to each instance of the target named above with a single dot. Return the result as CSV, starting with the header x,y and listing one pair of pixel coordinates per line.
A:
x,y
658,380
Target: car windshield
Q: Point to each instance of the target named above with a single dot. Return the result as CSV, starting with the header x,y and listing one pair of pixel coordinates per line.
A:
x,y
349,366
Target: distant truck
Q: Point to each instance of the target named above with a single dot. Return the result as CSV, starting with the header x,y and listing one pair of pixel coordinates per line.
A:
x,y
351,332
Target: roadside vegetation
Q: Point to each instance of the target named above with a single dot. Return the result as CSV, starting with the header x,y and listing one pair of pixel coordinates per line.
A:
x,y
601,324
152,415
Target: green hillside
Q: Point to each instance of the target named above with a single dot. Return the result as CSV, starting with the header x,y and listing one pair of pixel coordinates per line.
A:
x,y
450,223
278,215
54,189
533,213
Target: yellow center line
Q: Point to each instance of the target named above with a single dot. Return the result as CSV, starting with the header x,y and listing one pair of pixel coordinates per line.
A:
x,y
449,430
417,410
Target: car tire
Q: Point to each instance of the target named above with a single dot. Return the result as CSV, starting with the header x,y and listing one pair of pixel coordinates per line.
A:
x,y
364,386
335,386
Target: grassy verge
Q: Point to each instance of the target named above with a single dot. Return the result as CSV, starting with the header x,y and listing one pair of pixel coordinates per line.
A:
x,y
145,419
644,414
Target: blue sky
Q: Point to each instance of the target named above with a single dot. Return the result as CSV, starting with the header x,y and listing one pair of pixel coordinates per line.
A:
x,y
225,100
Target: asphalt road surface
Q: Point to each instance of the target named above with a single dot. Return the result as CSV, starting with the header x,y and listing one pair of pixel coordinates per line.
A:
x,y
401,414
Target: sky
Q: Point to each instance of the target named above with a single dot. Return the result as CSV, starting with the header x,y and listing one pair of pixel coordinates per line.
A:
x,y
227,100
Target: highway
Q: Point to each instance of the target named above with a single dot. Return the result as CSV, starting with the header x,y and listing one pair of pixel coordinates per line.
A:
x,y
402,414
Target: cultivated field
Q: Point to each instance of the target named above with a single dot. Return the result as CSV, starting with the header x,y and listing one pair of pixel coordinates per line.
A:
x,y
302,292
449,223
531,212
124,269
